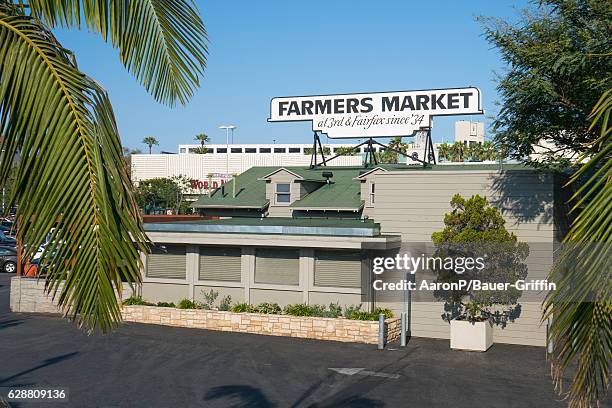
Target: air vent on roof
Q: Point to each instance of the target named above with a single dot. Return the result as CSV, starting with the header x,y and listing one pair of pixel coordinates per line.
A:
x,y
327,175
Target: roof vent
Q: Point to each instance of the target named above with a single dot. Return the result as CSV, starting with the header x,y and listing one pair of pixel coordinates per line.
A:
x,y
327,175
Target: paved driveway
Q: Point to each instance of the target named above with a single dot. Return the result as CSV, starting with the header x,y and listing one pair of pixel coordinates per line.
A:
x,y
152,366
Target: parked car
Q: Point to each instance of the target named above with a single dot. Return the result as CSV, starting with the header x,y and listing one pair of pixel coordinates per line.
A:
x,y
8,259
6,240
8,231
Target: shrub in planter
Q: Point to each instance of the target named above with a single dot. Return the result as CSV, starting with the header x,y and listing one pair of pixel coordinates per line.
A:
x,y
349,311
209,299
188,304
225,303
360,315
136,301
242,308
267,308
166,304
476,231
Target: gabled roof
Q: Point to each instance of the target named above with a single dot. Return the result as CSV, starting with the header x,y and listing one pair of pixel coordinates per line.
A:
x,y
367,172
300,173
343,193
250,192
268,176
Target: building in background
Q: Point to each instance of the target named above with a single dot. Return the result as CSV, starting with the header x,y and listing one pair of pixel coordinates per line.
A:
x,y
298,235
222,161
469,132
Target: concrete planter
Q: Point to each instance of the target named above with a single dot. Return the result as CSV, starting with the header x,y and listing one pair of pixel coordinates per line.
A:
x,y
319,328
470,336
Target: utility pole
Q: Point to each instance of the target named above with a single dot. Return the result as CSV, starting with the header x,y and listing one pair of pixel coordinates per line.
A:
x,y
227,129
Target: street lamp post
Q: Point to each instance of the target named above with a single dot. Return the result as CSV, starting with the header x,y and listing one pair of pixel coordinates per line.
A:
x,y
227,129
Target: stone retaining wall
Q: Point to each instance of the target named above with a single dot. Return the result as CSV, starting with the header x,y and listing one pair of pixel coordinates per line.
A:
x,y
319,328
28,296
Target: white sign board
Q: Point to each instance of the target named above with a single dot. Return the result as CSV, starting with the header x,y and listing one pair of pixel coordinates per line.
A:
x,y
381,114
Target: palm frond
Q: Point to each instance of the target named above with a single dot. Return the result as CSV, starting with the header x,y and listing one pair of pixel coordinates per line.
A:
x,y
161,42
581,308
69,177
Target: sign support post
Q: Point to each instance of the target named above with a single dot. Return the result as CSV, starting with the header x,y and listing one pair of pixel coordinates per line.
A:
x,y
313,157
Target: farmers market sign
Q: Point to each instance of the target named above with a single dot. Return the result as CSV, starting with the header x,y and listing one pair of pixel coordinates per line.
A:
x,y
380,114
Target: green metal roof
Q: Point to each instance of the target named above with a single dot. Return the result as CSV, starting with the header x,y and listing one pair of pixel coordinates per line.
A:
x,y
343,193
250,192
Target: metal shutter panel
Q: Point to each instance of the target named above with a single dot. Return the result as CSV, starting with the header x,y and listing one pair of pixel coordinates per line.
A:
x,y
337,268
277,266
220,264
167,261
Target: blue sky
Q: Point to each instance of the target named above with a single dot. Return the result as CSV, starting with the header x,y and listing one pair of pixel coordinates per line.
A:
x,y
267,48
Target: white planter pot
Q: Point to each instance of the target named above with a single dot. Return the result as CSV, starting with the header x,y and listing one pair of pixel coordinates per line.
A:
x,y
471,336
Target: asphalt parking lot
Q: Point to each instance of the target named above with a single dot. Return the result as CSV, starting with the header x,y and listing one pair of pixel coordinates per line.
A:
x,y
152,366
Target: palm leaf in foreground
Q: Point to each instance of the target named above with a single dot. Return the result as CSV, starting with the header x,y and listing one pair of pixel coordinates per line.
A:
x,y
161,42
69,177
581,308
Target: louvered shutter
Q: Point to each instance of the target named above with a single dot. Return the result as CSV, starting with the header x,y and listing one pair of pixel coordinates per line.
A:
x,y
167,261
277,266
220,264
337,268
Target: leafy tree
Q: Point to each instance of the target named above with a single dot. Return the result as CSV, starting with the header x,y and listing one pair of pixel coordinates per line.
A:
x,y
72,176
581,307
165,193
475,229
559,64
150,141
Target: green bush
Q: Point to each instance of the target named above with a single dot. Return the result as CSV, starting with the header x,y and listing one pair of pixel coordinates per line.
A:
x,y
349,311
300,309
136,301
188,304
267,308
166,304
242,308
225,303
209,299
334,310
356,314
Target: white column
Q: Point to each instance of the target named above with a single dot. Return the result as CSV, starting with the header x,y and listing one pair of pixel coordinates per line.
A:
x,y
306,273
248,271
193,267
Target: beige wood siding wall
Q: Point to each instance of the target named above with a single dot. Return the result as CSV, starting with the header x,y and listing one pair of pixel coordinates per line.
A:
x,y
337,268
167,262
413,204
277,266
220,264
